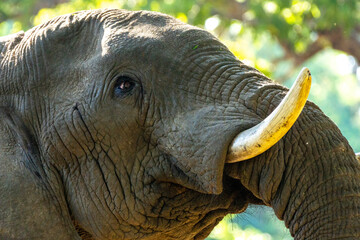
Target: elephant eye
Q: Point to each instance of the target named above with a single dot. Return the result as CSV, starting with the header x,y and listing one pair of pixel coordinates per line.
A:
x,y
123,86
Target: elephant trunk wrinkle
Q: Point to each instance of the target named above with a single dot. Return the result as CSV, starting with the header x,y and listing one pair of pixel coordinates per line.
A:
x,y
324,195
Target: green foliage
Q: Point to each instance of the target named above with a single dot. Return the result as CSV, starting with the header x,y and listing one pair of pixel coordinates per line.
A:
x,y
299,22
337,92
227,230
275,36
256,223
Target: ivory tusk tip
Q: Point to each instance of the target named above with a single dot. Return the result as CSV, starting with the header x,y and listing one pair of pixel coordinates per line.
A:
x,y
304,72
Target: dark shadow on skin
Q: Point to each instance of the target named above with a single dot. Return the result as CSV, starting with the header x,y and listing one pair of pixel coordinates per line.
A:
x,y
27,142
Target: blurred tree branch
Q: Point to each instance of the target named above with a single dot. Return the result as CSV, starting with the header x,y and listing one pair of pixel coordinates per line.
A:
x,y
301,27
337,36
23,11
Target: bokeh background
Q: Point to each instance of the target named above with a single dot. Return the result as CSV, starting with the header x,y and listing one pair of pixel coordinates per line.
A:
x,y
277,37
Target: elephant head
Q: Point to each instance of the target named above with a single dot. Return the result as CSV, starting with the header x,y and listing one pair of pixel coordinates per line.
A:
x,y
128,125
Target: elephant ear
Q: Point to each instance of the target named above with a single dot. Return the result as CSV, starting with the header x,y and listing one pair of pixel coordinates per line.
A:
x,y
25,140
30,207
8,42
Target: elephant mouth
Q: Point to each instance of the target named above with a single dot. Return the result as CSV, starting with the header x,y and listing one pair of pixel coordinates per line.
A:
x,y
186,180
180,176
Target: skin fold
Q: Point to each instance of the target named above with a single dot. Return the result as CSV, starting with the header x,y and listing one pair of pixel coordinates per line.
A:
x,y
116,125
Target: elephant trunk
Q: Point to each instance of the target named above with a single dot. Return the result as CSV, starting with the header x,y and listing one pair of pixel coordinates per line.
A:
x,y
311,178
321,198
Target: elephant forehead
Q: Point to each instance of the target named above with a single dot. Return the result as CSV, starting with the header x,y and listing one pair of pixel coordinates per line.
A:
x,y
128,40
151,32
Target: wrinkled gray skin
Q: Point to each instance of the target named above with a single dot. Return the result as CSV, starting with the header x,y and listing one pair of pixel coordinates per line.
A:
x,y
82,158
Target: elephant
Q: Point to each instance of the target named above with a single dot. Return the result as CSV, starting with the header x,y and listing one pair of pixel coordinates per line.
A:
x,y
118,124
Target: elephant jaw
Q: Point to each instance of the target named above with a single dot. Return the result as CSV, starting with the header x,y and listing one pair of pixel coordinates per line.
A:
x,y
258,139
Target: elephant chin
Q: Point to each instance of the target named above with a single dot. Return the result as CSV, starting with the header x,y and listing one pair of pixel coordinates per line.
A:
x,y
205,227
240,199
210,209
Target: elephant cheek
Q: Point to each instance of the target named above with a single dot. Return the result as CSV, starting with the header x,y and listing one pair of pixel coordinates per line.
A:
x,y
196,150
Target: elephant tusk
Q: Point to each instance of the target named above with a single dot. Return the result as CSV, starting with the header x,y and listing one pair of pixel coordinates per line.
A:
x,y
258,139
